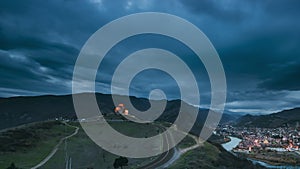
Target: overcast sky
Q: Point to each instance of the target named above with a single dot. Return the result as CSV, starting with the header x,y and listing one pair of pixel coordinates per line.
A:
x,y
258,43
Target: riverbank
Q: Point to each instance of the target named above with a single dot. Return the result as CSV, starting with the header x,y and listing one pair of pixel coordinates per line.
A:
x,y
266,159
277,158
264,164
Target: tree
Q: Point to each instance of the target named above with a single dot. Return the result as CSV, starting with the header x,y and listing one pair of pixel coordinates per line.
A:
x,y
120,162
12,166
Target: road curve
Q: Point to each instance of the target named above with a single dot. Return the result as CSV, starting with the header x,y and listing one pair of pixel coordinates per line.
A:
x,y
180,152
164,157
54,150
168,158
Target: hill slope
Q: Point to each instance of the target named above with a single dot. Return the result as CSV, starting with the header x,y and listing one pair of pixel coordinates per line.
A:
x,y
21,110
280,119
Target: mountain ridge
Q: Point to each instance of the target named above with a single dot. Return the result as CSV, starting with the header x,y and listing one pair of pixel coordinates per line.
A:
x,y
283,118
26,109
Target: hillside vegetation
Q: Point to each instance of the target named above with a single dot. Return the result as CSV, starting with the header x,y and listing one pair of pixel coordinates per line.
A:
x,y
280,119
26,146
211,156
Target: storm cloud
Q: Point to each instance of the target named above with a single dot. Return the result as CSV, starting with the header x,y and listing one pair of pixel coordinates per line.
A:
x,y
258,43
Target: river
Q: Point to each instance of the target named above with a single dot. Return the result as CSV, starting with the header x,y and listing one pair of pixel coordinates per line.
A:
x,y
235,141
231,144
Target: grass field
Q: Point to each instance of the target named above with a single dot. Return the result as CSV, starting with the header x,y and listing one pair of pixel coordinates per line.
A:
x,y
186,142
86,154
210,156
28,145
202,157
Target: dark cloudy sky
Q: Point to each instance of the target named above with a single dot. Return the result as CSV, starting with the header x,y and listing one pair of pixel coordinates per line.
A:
x,y
257,40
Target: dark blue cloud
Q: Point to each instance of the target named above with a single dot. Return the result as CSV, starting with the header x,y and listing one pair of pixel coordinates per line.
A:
x,y
257,42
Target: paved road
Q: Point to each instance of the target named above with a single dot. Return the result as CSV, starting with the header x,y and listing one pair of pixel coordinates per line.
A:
x,y
169,157
54,150
164,157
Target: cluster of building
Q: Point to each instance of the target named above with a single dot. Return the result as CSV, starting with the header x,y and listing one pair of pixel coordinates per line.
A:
x,y
121,109
256,139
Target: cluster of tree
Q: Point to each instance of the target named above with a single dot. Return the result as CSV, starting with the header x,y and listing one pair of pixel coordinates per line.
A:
x,y
120,162
12,166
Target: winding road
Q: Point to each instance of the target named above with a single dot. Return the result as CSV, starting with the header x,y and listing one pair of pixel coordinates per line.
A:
x,y
164,160
54,150
164,157
179,152
169,157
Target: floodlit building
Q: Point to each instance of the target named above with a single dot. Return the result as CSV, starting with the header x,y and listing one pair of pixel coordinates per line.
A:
x,y
126,112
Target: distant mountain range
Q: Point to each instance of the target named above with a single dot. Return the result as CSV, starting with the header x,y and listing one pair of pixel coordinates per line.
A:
x,y
21,110
281,119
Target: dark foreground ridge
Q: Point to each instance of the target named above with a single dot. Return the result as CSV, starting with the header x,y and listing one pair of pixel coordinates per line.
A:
x,y
21,110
